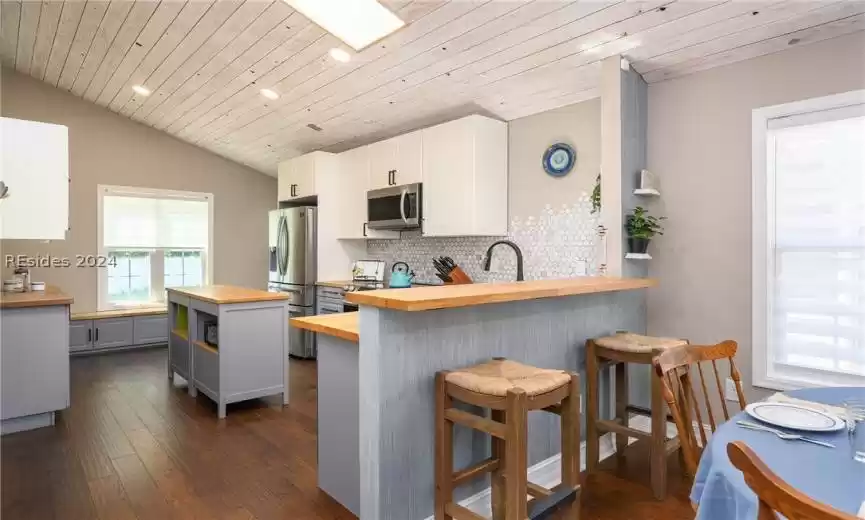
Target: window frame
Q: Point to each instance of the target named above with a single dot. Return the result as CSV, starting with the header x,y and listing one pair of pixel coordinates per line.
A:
x,y
764,374
157,255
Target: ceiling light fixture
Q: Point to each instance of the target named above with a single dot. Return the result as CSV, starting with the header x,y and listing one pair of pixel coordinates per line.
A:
x,y
141,89
340,55
269,94
358,23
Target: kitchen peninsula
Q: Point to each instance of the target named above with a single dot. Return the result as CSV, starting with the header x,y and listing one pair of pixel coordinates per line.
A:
x,y
34,348
376,449
231,343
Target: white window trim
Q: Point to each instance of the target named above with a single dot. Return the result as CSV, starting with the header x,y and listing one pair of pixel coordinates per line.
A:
x,y
102,273
763,240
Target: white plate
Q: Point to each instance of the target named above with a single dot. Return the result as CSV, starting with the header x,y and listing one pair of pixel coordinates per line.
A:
x,y
794,417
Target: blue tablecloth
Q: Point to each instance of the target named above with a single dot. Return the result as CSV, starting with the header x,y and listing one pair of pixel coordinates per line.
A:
x,y
828,475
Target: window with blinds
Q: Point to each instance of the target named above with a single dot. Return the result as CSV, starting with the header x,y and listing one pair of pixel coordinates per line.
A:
x,y
813,244
154,239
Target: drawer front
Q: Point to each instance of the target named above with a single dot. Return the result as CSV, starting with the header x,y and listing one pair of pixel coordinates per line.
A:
x,y
112,332
80,335
331,292
150,329
206,363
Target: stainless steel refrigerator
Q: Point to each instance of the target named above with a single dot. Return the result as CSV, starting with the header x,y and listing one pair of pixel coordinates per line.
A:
x,y
292,243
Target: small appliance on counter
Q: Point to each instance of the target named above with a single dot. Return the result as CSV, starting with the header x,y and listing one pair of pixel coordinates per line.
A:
x,y
400,276
211,334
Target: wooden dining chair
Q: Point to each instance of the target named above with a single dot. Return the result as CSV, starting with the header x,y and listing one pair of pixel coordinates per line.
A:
x,y
775,495
675,369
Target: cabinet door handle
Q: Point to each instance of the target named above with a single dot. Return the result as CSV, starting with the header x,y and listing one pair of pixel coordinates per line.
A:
x,y
97,334
364,229
89,335
292,189
393,175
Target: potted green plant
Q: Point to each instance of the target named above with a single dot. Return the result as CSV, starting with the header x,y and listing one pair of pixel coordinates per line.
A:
x,y
641,227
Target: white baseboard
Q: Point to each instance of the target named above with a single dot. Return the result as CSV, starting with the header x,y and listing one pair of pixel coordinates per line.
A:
x,y
548,472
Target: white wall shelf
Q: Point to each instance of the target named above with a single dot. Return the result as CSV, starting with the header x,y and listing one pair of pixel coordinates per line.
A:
x,y
638,256
647,192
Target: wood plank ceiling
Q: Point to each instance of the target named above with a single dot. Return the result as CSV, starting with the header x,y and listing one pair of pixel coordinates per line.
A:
x,y
206,62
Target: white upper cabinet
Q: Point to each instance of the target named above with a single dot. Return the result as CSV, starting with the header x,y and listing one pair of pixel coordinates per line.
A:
x,y
297,176
35,170
396,161
354,181
465,178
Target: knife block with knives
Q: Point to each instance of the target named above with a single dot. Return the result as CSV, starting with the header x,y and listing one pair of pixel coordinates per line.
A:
x,y
449,272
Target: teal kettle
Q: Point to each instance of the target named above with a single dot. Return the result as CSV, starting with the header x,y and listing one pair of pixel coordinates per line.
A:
x,y
400,279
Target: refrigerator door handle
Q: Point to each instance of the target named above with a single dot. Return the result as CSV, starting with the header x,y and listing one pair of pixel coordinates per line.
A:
x,y
287,246
280,244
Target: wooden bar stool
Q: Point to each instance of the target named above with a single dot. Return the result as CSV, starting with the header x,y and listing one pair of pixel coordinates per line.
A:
x,y
510,390
619,350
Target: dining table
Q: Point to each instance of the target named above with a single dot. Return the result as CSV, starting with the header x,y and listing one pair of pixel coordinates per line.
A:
x,y
828,475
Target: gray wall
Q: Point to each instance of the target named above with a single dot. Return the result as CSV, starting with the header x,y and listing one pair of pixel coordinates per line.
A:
x,y
105,148
700,148
634,121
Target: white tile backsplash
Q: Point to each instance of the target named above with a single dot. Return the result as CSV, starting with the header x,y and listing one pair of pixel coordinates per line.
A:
x,y
561,242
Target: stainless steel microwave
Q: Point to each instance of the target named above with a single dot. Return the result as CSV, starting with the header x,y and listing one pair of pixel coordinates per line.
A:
x,y
397,207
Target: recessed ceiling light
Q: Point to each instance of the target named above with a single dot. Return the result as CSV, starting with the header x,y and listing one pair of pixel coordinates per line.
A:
x,y
340,55
269,94
141,89
356,22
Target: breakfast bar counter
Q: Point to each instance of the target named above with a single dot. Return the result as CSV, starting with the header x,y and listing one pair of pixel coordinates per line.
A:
x,y
453,296
377,394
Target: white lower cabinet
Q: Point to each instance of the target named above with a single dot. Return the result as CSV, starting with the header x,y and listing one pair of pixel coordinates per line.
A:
x,y
465,178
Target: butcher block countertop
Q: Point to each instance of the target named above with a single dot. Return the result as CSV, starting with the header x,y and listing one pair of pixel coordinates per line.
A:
x,y
222,294
450,296
335,284
342,325
119,313
50,296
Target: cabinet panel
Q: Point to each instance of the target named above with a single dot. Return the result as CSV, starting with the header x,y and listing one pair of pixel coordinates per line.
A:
x,y
80,335
34,164
34,375
303,175
284,181
448,188
150,329
353,175
409,158
113,332
382,160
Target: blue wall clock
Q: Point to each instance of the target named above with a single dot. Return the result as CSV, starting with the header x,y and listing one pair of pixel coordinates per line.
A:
x,y
559,159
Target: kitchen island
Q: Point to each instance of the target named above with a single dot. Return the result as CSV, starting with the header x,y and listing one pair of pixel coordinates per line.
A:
x,y
231,343
405,336
34,354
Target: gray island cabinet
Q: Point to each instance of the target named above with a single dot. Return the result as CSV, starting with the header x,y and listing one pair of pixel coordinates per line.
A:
x,y
34,358
230,343
376,371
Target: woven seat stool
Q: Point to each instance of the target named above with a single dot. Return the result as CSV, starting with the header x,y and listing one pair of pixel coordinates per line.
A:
x,y
619,350
510,390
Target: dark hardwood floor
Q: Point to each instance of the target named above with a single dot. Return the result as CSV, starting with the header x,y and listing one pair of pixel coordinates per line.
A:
x,y
134,446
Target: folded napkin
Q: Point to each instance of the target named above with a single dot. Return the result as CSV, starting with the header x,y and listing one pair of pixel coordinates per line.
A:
x,y
861,511
837,411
